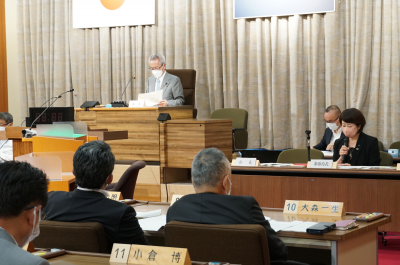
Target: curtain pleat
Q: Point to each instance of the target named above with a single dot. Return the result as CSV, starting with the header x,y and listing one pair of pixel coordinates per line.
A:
x,y
283,70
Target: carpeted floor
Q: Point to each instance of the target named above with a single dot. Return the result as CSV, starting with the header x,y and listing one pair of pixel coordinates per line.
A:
x,y
389,254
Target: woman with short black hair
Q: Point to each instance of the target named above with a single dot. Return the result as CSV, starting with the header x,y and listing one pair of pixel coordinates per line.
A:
x,y
362,149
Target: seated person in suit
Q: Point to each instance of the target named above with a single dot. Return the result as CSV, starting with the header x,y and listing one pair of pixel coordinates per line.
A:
x,y
23,193
93,165
6,146
171,84
362,150
212,204
333,130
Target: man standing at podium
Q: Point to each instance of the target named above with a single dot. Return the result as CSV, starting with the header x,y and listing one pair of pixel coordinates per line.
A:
x,y
6,146
170,84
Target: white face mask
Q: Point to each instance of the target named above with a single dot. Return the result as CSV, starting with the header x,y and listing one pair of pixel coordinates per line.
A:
x,y
333,126
36,229
157,73
230,187
2,129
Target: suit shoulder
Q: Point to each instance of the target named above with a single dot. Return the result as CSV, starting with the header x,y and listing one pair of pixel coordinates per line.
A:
x,y
174,77
12,254
56,194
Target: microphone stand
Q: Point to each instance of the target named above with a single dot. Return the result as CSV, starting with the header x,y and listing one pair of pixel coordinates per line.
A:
x,y
121,103
308,132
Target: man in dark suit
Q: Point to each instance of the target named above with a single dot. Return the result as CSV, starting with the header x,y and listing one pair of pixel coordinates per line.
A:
x,y
23,193
334,130
161,79
212,204
93,165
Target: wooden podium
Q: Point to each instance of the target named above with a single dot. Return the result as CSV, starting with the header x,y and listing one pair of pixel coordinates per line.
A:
x,y
167,148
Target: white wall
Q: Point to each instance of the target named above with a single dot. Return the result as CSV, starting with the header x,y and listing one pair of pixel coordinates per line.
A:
x,y
14,101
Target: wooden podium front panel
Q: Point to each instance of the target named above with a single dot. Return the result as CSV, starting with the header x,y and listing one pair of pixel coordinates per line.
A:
x,y
143,141
184,139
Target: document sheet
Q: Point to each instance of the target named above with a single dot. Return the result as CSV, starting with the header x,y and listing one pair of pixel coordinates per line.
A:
x,y
148,214
153,223
151,98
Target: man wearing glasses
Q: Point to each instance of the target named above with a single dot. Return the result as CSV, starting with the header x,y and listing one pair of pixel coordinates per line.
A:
x,y
333,130
23,194
6,146
170,84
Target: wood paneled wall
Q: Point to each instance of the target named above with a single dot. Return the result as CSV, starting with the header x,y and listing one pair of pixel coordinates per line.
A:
x,y
3,59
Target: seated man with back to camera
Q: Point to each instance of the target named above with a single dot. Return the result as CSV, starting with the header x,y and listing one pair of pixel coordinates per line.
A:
x,y
211,204
161,79
6,146
23,193
93,165
333,130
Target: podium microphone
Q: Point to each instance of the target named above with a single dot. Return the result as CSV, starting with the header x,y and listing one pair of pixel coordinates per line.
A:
x,y
308,132
345,143
121,103
28,133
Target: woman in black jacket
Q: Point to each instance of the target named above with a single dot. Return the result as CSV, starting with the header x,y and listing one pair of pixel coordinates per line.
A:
x,y
362,149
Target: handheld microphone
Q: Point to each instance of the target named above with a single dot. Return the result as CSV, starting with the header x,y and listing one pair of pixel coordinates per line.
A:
x,y
345,143
121,103
28,133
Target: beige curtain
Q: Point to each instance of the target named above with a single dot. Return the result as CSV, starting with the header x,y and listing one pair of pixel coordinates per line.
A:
x,y
284,71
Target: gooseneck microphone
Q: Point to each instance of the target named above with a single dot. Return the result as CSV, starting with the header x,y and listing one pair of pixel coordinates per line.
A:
x,y
345,143
59,96
121,103
308,132
28,133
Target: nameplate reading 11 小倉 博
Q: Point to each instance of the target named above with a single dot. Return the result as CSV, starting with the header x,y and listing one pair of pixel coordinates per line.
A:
x,y
115,195
140,254
314,208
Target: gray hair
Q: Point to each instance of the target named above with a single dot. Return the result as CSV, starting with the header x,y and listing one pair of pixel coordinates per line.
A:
x,y
209,167
7,117
334,108
157,56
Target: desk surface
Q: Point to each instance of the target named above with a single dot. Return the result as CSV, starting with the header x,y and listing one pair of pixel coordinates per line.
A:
x,y
278,215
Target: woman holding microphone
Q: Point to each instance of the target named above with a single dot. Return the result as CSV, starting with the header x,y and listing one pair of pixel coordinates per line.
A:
x,y
356,148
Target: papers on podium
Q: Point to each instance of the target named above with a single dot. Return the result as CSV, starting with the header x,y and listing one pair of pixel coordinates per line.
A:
x,y
151,98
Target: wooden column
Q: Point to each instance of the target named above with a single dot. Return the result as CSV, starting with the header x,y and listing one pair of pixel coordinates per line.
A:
x,y
3,59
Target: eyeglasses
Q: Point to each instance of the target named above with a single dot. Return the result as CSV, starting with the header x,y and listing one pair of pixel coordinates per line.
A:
x,y
333,120
42,215
156,68
3,125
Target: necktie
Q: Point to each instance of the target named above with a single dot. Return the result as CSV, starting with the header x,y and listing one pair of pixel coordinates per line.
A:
x,y
158,85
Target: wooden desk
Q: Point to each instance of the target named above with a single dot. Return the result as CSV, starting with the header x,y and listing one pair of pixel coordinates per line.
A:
x,y
354,246
360,190
66,184
86,258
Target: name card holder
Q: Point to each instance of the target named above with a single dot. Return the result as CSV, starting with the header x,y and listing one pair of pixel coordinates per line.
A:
x,y
115,195
314,208
175,198
143,255
246,162
322,163
398,166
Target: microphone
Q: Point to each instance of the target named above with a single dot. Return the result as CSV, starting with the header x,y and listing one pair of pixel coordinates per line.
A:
x,y
59,96
308,132
345,143
28,133
121,103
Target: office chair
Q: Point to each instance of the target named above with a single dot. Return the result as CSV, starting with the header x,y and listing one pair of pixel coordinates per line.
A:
x,y
395,145
188,81
298,155
239,125
386,159
380,145
127,182
85,237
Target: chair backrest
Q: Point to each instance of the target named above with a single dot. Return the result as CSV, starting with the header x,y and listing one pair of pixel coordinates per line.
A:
x,y
188,81
386,159
241,244
380,146
239,116
298,155
86,237
395,145
127,183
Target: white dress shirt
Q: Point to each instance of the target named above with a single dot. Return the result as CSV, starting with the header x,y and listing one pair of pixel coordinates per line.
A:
x,y
104,192
6,150
337,135
161,80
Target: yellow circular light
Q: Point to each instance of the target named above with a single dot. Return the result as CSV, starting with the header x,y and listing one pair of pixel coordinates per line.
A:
x,y
112,4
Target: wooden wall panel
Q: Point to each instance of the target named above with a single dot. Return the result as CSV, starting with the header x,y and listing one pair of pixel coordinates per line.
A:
x,y
3,59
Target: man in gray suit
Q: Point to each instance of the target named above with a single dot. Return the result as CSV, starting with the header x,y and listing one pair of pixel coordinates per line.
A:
x,y
23,193
170,84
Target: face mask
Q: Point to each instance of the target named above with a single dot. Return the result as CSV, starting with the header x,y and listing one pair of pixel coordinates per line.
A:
x,y
2,129
36,229
333,126
230,187
157,73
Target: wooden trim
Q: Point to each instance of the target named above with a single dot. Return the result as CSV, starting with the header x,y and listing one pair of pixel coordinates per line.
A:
x,y
3,59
